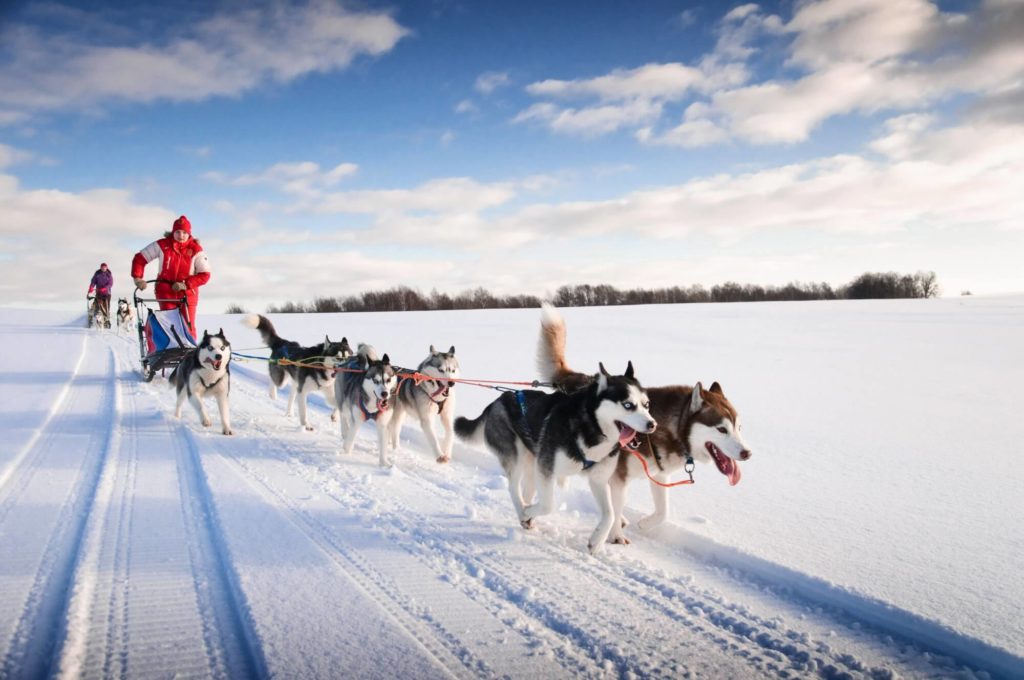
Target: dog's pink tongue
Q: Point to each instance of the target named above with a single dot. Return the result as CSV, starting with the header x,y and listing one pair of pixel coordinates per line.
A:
x,y
626,434
733,473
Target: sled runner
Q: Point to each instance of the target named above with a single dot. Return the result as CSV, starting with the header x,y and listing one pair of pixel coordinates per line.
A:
x,y
164,337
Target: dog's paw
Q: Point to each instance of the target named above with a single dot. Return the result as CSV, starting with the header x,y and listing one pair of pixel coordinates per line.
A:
x,y
526,523
387,464
228,431
207,422
618,539
309,428
444,459
595,549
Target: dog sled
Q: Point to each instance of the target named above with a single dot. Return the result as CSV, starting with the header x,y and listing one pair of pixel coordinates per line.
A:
x,y
94,317
164,336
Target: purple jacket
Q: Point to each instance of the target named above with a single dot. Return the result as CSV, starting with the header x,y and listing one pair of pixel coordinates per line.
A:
x,y
102,281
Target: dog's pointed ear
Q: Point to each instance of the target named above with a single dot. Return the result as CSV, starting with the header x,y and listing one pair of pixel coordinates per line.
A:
x,y
600,366
716,388
602,378
696,400
629,369
385,360
433,350
206,336
451,350
220,332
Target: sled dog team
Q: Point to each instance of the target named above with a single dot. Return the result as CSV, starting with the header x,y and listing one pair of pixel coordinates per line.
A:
x,y
589,425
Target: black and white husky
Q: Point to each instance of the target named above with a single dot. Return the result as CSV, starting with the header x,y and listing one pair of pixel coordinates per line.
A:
x,y
206,371
364,391
304,375
697,424
556,435
429,398
125,316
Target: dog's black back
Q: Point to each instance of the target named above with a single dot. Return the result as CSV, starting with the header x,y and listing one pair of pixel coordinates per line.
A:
x,y
292,351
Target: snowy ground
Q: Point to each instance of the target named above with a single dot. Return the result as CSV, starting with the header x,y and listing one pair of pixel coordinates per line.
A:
x,y
876,532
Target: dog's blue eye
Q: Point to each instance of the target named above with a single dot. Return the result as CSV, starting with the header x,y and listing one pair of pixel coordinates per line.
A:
x,y
628,405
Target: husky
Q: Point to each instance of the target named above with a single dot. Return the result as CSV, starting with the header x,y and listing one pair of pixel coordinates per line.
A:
x,y
542,437
206,371
306,377
125,316
696,423
427,398
364,392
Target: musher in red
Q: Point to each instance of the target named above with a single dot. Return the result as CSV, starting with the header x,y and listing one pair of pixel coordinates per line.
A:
x,y
183,268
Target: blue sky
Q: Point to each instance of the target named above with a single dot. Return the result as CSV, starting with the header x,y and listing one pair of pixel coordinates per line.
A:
x,y
325,148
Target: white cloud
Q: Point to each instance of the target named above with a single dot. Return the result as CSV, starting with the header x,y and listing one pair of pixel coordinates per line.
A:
x,y
447,137
487,83
466,106
849,57
304,178
223,55
9,156
593,120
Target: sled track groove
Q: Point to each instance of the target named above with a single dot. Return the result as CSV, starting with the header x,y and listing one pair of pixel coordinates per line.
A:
x,y
150,599
228,611
35,637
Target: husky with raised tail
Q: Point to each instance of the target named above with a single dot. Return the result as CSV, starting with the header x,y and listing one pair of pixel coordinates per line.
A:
x,y
204,372
311,372
541,438
694,421
366,391
428,398
125,316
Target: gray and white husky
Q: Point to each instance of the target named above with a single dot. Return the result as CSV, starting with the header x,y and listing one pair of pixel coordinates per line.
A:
x,y
125,316
306,378
365,391
429,398
204,372
541,438
696,423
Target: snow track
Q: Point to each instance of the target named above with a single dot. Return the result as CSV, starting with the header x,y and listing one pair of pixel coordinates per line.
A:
x,y
148,547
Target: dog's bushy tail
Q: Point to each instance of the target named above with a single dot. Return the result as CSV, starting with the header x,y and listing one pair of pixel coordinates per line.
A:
x,y
266,329
470,431
551,347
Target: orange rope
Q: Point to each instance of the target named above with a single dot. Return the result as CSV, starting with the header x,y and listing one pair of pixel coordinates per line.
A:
x,y
643,462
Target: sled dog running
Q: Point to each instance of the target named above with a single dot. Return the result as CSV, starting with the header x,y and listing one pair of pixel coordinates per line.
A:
x,y
540,438
125,316
428,398
693,421
312,371
206,371
365,391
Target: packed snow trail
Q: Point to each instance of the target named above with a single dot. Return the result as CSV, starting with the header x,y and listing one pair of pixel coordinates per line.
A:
x,y
136,545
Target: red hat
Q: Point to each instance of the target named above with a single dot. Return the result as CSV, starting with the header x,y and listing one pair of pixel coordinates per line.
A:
x,y
103,264
183,224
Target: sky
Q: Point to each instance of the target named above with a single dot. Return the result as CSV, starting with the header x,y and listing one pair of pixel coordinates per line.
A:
x,y
328,148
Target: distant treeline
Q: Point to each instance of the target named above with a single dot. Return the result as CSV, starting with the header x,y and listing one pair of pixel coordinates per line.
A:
x,y
404,299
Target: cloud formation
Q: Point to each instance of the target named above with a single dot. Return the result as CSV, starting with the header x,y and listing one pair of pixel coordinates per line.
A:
x,y
841,57
269,42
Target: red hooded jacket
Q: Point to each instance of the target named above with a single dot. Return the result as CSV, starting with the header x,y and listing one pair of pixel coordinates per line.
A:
x,y
179,262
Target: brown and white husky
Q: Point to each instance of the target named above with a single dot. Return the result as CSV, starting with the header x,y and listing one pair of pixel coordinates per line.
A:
x,y
693,422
